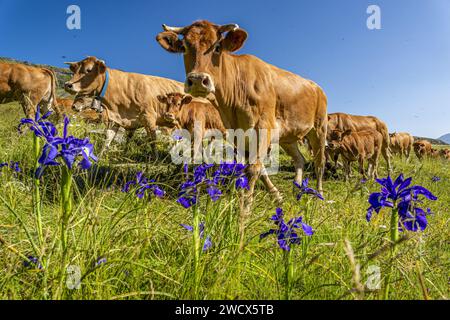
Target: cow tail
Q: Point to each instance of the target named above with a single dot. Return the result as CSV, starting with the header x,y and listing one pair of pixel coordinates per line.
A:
x,y
53,87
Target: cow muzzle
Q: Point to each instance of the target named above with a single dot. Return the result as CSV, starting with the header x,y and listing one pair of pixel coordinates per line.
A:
x,y
199,84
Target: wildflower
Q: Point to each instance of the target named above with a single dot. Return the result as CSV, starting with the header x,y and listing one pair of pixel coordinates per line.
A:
x,y
143,185
32,262
187,197
66,147
41,128
100,261
208,243
400,196
286,232
304,189
435,179
14,165
214,192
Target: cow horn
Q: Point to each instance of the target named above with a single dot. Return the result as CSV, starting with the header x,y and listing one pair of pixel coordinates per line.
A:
x,y
228,27
173,29
69,63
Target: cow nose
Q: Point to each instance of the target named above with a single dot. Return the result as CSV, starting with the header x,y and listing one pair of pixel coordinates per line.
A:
x,y
68,85
199,83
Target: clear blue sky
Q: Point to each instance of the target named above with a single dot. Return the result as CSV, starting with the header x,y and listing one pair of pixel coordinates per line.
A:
x,y
400,73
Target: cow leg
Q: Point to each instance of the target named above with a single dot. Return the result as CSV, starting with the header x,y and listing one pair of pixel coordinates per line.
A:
x,y
297,158
387,156
151,134
317,139
110,134
270,187
361,167
129,134
246,201
347,169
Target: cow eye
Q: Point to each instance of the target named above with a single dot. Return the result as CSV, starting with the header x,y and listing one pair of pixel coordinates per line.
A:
x,y
217,48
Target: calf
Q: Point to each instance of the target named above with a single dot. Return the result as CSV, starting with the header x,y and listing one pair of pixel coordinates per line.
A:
x,y
358,146
422,148
196,116
343,122
29,85
445,154
401,143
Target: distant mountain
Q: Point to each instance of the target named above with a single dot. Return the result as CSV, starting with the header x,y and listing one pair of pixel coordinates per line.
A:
x,y
445,138
432,141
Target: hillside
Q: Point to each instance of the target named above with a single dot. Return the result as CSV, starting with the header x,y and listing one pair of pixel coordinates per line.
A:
x,y
432,141
445,138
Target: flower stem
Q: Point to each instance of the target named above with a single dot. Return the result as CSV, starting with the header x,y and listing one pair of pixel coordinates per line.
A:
x,y
394,240
196,249
289,274
66,209
36,192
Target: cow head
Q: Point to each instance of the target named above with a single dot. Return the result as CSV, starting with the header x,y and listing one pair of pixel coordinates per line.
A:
x,y
88,76
203,45
420,147
336,137
174,103
81,102
392,134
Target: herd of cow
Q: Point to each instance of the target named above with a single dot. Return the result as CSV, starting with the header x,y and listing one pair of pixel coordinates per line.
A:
x,y
222,90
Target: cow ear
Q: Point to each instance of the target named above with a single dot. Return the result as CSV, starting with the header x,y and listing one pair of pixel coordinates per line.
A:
x,y
170,42
234,40
162,99
101,65
347,133
186,100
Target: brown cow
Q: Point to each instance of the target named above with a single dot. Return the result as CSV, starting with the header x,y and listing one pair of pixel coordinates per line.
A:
x,y
29,85
343,122
435,153
197,116
130,98
82,106
445,154
251,94
358,146
422,148
401,143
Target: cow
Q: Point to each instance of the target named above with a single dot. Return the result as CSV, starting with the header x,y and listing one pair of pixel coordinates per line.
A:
x,y
401,143
29,85
435,153
445,154
251,94
82,106
343,122
196,116
357,146
130,98
422,149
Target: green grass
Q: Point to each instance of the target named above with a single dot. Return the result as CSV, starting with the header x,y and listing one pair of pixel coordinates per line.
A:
x,y
149,256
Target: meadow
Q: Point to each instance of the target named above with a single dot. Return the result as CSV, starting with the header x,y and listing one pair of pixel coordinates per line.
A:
x,y
122,247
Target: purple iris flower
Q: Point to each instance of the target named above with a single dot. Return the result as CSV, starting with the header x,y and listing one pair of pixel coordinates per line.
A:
x,y
435,179
143,184
67,147
38,125
286,232
304,189
32,262
14,165
187,196
100,261
229,171
400,195
208,243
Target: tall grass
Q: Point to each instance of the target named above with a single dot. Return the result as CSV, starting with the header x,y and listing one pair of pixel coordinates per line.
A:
x,y
129,248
